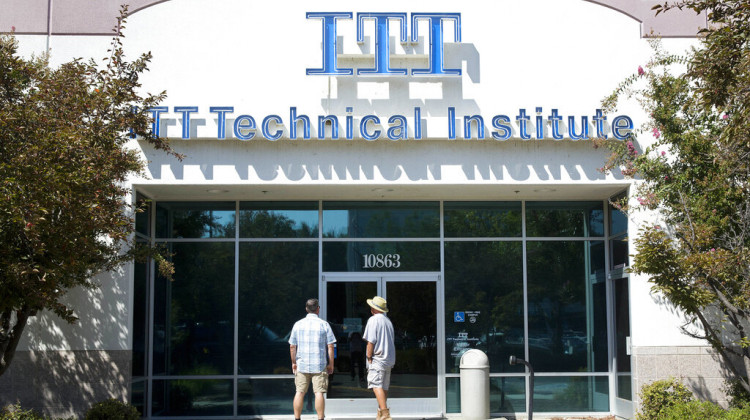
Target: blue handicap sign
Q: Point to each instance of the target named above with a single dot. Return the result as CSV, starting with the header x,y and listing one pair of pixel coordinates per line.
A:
x,y
459,317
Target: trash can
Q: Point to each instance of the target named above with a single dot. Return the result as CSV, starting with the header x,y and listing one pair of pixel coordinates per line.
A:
x,y
475,385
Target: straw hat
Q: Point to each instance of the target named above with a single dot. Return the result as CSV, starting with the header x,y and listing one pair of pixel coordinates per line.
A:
x,y
378,303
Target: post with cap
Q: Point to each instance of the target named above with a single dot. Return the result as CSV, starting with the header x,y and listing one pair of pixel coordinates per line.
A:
x,y
530,396
475,385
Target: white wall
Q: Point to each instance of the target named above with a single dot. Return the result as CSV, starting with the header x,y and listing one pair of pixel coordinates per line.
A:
x,y
565,54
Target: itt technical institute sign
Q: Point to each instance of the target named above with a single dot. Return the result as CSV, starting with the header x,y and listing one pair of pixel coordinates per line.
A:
x,y
525,124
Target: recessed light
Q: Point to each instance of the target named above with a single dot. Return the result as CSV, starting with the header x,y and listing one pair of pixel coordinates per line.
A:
x,y
217,191
544,190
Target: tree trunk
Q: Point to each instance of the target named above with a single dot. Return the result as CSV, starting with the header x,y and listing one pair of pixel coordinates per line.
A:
x,y
10,335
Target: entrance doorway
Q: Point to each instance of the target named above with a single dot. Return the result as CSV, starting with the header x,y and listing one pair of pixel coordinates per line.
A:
x,y
413,306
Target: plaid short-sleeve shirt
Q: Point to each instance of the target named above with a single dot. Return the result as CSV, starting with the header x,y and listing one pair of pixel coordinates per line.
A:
x,y
311,335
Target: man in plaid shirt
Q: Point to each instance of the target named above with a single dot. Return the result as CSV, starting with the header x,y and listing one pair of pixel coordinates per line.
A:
x,y
308,342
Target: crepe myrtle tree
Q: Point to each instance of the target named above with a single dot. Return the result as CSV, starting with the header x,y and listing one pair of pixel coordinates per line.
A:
x,y
695,173
64,158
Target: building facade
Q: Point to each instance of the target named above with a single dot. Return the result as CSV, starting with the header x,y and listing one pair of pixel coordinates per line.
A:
x,y
438,156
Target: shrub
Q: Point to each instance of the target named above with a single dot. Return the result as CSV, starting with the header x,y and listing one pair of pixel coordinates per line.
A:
x,y
658,395
693,410
738,413
737,395
112,409
15,412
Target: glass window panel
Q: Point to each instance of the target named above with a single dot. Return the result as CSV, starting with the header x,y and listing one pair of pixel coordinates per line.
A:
x,y
194,313
159,330
598,317
193,397
381,256
564,219
622,334
411,307
625,386
348,314
596,260
507,395
618,220
567,322
195,220
486,279
138,396
482,219
385,219
275,281
574,393
257,397
143,208
279,220
620,257
140,318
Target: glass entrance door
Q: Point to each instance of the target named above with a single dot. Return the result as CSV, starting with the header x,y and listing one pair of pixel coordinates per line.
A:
x,y
412,304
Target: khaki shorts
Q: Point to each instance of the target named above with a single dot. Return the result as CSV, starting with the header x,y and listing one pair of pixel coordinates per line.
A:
x,y
319,382
378,377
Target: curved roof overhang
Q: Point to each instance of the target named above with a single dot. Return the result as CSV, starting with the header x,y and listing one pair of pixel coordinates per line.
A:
x,y
81,17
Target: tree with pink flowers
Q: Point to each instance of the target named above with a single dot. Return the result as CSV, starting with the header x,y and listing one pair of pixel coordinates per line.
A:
x,y
692,166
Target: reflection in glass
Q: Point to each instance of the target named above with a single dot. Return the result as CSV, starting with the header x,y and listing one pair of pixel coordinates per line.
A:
x,y
142,211
193,397
485,278
412,309
195,220
620,258
618,220
564,219
383,219
194,316
622,322
381,256
567,308
482,219
573,393
140,318
278,220
507,395
275,280
348,312
138,396
257,397
625,386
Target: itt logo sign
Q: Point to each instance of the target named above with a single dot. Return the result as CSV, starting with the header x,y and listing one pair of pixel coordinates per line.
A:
x,y
383,44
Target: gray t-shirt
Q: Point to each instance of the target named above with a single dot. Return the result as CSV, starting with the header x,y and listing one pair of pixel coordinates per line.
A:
x,y
379,331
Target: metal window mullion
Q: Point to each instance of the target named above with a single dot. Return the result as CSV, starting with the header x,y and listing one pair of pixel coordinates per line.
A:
x,y
193,377
484,239
566,238
322,291
440,291
524,241
151,287
244,240
235,350
194,240
433,239
609,297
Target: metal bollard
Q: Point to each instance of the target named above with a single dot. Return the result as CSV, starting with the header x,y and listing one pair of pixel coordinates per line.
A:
x,y
529,398
475,385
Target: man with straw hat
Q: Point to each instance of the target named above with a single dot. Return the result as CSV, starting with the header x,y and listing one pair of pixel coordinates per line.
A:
x,y
380,353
